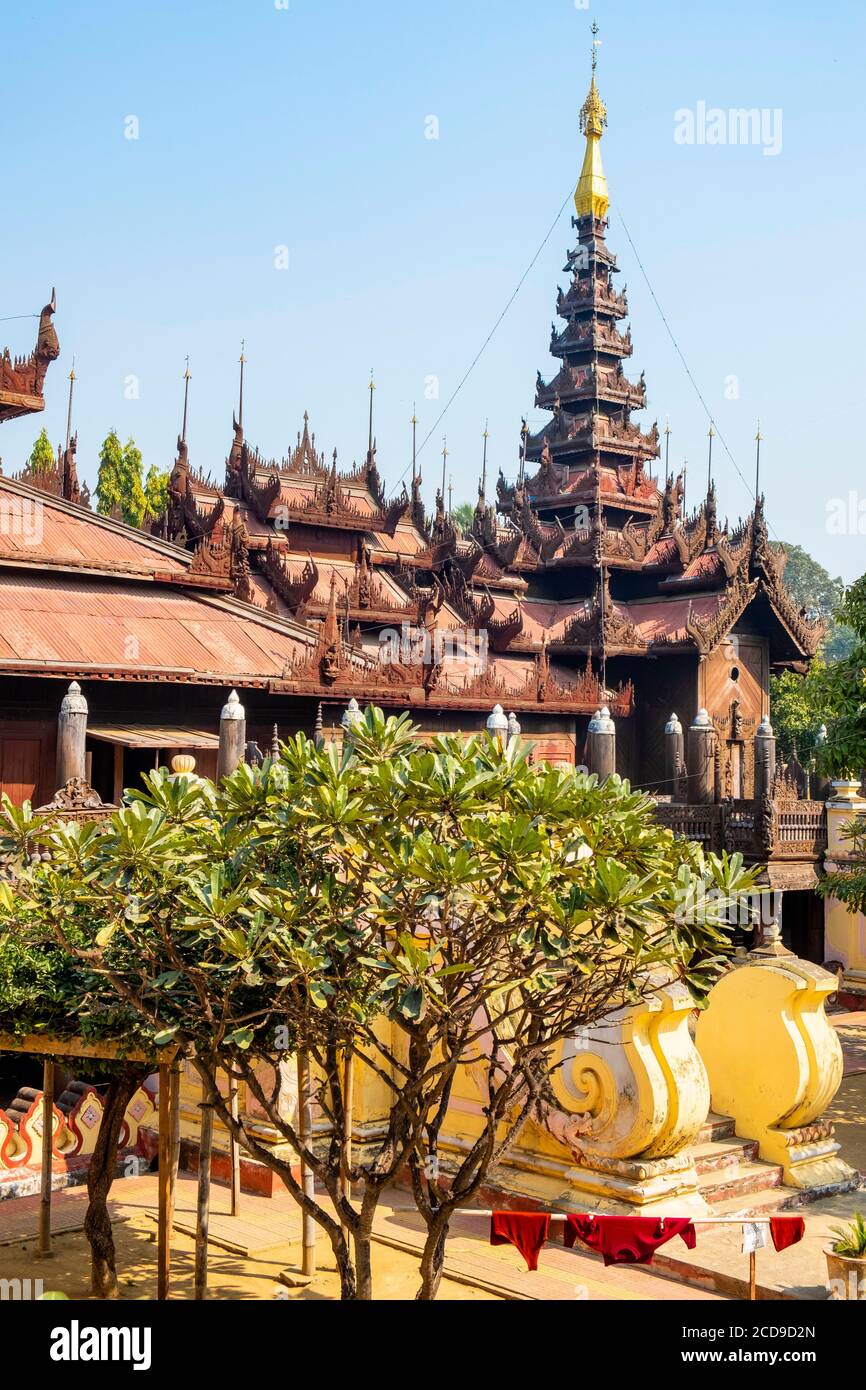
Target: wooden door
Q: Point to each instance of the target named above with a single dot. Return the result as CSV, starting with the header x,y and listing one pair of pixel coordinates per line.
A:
x,y
19,768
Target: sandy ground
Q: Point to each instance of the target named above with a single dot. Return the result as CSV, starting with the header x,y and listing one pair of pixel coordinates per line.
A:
x,y
563,1275
230,1276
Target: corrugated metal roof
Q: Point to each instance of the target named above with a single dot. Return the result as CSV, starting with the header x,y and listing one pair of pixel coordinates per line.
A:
x,y
37,529
152,736
67,621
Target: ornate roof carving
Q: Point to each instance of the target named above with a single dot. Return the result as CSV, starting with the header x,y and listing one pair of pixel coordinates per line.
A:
x,y
23,377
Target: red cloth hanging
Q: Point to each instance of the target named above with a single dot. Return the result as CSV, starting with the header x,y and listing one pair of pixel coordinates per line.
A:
x,y
525,1229
628,1239
786,1230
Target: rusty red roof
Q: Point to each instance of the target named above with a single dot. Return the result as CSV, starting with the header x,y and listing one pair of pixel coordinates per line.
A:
x,y
50,625
39,530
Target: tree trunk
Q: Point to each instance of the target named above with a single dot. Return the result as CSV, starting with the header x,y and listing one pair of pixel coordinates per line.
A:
x,y
364,1265
433,1259
100,1176
345,1267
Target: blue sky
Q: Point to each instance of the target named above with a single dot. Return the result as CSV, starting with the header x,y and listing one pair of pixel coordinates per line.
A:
x,y
305,127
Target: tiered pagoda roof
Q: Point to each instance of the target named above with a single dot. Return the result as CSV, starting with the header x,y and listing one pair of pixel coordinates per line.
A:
x,y
584,558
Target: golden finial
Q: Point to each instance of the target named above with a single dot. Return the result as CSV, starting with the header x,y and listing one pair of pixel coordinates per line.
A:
x,y
591,196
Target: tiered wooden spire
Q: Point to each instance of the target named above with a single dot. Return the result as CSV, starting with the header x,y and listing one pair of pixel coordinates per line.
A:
x,y
591,399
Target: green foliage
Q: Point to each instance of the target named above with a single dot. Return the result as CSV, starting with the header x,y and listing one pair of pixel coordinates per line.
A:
x,y
119,485
798,708
155,493
844,686
42,457
812,588
833,693
849,884
851,1239
464,515
809,583
416,906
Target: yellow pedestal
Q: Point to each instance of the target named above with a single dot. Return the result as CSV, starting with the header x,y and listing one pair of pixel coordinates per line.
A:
x,y
775,1063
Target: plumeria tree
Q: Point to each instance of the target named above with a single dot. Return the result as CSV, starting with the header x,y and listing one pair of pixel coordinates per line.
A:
x,y
392,912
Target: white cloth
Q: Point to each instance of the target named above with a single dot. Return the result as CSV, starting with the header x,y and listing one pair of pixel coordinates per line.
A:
x,y
754,1236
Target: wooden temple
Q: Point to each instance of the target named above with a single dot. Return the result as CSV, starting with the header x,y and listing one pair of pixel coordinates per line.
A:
x,y
584,585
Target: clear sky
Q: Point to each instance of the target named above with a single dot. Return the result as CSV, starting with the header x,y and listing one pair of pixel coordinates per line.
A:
x,y
262,126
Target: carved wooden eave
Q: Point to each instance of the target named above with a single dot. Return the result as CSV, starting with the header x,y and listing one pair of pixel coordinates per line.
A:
x,y
707,633
294,589
502,632
540,689
435,555
593,334
260,496
623,548
212,562
233,484
367,475
468,561
550,479
22,378
751,564
366,600
304,461
331,507
340,669
417,513
590,382
507,545
806,636
504,493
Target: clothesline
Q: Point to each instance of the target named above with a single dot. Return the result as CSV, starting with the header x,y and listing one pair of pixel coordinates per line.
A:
x,y
695,1220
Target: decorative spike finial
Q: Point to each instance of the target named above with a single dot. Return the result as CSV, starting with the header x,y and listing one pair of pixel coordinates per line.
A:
x,y
482,491
186,381
242,360
372,388
444,457
758,438
414,439
711,434
72,379
591,196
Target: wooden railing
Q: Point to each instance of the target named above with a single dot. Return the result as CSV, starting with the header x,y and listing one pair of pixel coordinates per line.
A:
x,y
786,830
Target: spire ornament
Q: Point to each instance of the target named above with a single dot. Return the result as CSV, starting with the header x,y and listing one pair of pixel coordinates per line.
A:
x,y
591,196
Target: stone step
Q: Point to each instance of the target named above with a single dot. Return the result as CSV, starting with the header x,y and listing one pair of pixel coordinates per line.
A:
x,y
764,1202
719,1154
715,1127
739,1182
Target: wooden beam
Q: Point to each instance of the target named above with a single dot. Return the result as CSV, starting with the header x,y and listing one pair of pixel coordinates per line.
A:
x,y
203,1201
235,1150
44,1045
308,1179
118,789
44,1249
